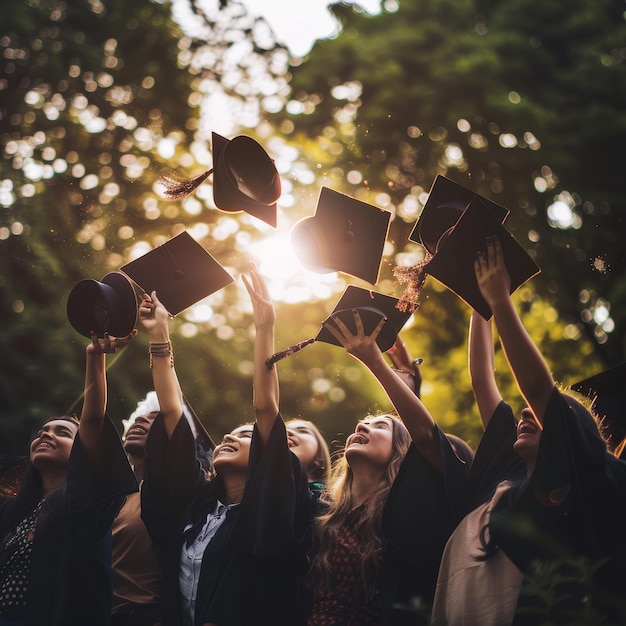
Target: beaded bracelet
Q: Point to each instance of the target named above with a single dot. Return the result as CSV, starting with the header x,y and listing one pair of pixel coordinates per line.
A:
x,y
161,349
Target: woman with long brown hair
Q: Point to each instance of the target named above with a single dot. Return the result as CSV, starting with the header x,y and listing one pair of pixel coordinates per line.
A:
x,y
376,546
547,545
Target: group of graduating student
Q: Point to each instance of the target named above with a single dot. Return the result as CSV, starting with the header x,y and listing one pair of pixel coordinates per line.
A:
x,y
406,526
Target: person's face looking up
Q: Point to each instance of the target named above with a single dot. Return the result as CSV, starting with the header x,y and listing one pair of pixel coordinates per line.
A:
x,y
233,452
372,441
53,443
302,442
528,437
137,434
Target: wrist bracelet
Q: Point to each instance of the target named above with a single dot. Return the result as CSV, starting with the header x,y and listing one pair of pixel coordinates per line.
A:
x,y
162,348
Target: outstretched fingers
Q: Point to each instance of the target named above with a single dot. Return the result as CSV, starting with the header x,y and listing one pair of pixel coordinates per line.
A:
x,y
258,291
338,329
109,344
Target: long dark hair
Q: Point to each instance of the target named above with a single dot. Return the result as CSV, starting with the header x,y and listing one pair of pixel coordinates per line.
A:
x,y
584,415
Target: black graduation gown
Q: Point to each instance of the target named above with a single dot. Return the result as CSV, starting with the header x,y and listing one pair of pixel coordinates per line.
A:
x,y
252,570
495,459
573,506
71,580
421,512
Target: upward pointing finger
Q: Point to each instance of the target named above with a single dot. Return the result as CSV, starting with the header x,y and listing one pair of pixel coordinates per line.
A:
x,y
358,322
374,334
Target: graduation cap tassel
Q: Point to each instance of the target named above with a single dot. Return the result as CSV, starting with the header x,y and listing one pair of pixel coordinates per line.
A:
x,y
287,352
412,278
177,189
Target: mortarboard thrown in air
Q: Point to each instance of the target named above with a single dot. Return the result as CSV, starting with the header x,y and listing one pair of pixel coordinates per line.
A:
x,y
453,227
106,306
453,263
181,271
371,306
344,235
244,179
445,204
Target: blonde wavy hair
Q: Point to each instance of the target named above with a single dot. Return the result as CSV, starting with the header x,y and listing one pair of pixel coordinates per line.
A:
x,y
338,501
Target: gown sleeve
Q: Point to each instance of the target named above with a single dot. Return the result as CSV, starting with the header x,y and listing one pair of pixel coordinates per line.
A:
x,y
422,510
495,459
96,497
275,514
172,474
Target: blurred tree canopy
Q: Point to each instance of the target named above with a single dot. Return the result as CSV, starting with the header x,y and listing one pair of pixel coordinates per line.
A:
x,y
97,100
520,101
100,97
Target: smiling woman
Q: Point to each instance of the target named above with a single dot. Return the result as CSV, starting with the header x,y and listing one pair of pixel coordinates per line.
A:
x,y
308,444
245,526
348,536
551,473
376,546
234,451
50,449
54,562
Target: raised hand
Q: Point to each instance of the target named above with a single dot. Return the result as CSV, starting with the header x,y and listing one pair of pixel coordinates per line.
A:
x,y
264,314
492,276
154,316
265,380
109,344
361,346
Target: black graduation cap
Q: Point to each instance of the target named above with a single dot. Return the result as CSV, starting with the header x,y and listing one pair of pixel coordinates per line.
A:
x,y
345,235
181,271
608,392
445,204
106,306
371,306
453,263
244,179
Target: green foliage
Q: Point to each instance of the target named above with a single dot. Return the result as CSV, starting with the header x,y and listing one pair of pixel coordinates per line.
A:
x,y
89,91
97,99
566,590
522,101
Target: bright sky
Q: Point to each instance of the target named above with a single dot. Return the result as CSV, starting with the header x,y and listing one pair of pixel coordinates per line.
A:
x,y
299,23
296,24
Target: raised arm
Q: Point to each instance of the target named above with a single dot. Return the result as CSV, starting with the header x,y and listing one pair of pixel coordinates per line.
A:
x,y
154,318
265,381
404,362
95,394
409,407
481,363
531,373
